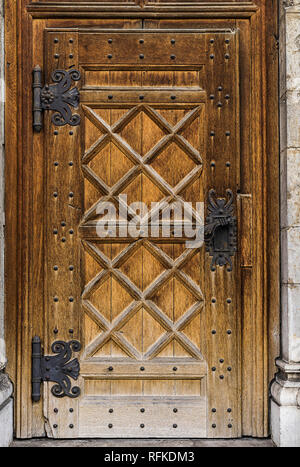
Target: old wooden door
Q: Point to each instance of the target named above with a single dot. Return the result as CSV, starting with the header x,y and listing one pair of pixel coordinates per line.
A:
x,y
170,339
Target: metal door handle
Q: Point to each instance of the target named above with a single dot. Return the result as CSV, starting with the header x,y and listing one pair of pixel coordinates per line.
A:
x,y
220,230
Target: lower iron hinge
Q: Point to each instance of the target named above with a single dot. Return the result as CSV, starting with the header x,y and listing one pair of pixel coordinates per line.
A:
x,y
57,369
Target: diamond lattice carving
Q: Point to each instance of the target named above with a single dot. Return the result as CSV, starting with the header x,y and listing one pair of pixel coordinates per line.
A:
x,y
142,299
120,275
142,164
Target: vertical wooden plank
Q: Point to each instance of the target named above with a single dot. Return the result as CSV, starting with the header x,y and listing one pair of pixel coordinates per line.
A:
x,y
63,203
272,210
260,401
222,289
11,194
37,267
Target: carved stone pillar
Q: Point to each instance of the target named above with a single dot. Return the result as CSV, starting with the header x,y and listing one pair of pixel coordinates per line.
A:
x,y
285,390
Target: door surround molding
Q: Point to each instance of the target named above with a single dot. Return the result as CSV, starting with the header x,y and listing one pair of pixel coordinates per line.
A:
x,y
18,201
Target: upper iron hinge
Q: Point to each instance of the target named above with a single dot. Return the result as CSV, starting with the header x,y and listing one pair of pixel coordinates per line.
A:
x,y
58,368
58,97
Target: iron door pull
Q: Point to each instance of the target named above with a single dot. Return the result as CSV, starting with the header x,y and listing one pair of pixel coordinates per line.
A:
x,y
221,230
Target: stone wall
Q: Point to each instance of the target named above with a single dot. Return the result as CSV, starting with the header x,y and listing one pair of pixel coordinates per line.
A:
x,y
285,405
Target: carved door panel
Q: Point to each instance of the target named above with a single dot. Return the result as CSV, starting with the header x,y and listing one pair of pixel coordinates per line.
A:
x,y
157,320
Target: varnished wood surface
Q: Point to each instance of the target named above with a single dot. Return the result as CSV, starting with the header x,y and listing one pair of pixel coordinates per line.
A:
x,y
252,314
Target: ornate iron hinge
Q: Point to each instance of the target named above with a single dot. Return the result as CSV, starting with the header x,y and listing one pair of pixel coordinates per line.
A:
x,y
57,369
221,230
58,97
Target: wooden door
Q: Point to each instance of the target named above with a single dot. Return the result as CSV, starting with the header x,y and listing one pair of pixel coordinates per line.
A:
x,y
166,330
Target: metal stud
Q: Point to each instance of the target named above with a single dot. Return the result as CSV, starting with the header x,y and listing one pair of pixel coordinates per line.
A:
x,y
109,41
214,410
110,425
111,410
212,56
71,331
213,164
227,41
175,410
229,368
214,425
229,410
213,368
142,410
212,133
55,425
173,57
71,299
142,56
173,41
71,268
71,164
55,410
71,426
227,56
220,88
227,97
71,133
55,299
56,41
56,164
221,377
229,332
229,299
55,268
71,232
71,41
110,368
220,104
212,41
71,194
56,56
71,410
221,360
142,368
141,97
229,425
173,98
56,132
175,368
213,300
109,56
55,331
55,194
142,425
175,425
63,239
63,224
212,97
71,56
214,332
228,165
141,41
227,133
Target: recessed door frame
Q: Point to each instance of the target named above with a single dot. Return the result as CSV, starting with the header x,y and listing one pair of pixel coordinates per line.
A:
x,y
23,269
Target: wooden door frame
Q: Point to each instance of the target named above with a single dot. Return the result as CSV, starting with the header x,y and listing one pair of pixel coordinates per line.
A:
x,y
23,232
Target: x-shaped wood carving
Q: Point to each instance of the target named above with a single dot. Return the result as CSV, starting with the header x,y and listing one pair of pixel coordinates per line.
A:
x,y
141,299
141,164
